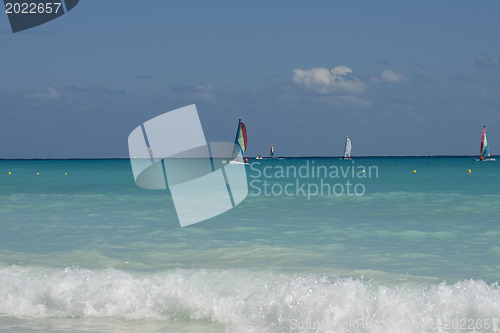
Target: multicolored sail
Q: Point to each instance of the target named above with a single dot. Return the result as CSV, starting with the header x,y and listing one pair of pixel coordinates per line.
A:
x,y
272,150
485,150
240,143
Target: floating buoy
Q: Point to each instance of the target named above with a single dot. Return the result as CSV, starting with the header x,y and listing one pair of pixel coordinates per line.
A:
x,y
414,171
37,174
469,171
363,170
10,173
66,173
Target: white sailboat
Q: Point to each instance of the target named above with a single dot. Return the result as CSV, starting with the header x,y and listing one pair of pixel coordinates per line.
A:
x,y
347,150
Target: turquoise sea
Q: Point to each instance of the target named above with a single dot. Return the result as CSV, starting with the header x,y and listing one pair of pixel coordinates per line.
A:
x,y
318,245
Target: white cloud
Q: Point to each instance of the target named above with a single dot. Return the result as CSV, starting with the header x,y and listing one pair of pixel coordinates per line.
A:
x,y
205,92
355,101
95,90
51,94
339,80
390,76
486,61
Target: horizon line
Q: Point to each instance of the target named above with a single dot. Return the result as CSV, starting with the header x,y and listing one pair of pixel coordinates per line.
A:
x,y
251,157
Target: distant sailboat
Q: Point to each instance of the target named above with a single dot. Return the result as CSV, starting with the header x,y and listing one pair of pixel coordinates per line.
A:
x,y
347,150
240,144
485,149
272,151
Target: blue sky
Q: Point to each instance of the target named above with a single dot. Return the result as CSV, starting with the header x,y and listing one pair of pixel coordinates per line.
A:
x,y
397,77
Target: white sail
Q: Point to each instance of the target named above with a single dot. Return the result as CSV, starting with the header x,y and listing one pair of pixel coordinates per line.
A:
x,y
347,151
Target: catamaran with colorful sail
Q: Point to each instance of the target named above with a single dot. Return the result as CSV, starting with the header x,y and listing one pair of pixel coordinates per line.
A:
x,y
272,151
485,149
347,150
240,144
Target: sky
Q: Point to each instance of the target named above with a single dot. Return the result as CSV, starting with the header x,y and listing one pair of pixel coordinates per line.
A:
x,y
397,77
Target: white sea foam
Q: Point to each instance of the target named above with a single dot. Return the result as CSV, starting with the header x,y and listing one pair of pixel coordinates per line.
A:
x,y
248,301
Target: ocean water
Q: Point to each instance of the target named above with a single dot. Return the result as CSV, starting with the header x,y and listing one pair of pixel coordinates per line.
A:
x,y
318,245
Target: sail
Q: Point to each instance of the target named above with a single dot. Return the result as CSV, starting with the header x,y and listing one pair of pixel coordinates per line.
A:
x,y
485,150
347,151
240,143
272,150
